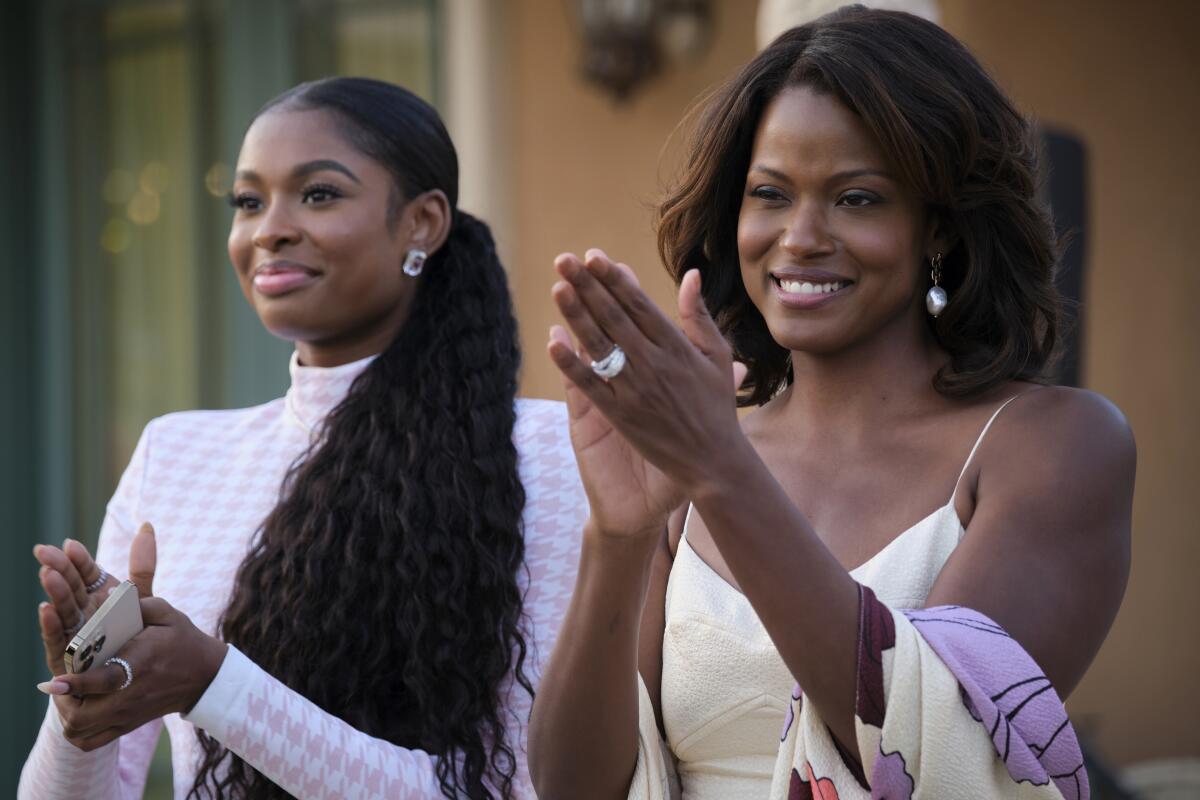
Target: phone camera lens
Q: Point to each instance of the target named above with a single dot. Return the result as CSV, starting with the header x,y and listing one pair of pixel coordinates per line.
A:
x,y
87,664
99,643
87,652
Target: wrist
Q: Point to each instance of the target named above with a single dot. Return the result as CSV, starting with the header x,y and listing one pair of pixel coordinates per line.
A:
x,y
622,540
718,479
208,664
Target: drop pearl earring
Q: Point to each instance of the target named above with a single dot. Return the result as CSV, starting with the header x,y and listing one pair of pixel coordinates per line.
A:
x,y
936,298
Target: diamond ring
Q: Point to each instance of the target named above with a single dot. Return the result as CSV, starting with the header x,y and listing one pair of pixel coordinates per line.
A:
x,y
611,365
125,666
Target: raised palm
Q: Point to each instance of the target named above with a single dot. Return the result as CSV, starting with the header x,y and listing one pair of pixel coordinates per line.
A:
x,y
628,495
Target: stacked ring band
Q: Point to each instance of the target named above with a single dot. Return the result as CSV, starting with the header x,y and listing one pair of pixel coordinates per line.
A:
x,y
99,582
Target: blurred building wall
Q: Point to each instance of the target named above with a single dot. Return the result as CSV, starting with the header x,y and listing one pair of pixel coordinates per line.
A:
x,y
1120,75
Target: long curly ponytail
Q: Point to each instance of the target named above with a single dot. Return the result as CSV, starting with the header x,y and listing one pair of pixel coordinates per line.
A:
x,y
384,585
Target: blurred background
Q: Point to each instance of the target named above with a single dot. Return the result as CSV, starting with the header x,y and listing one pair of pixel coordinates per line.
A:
x,y
122,120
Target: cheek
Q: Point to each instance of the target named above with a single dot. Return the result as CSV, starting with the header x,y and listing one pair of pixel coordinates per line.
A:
x,y
755,234
886,248
239,248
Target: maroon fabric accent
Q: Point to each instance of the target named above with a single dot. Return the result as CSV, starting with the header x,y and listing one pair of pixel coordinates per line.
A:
x,y
799,789
876,633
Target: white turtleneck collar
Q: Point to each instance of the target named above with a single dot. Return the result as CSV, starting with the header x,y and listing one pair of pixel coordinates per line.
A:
x,y
316,390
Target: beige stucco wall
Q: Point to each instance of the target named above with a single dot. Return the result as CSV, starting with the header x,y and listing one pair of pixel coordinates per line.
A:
x,y
1123,76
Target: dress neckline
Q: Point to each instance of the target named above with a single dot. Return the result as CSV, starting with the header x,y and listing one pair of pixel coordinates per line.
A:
x,y
948,508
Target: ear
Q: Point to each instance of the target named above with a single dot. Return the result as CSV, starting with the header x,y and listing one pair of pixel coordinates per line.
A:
x,y
939,236
426,220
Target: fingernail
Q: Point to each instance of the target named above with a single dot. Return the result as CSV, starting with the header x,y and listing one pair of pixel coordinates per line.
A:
x,y
54,687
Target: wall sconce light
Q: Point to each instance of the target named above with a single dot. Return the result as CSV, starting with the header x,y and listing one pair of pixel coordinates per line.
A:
x,y
626,41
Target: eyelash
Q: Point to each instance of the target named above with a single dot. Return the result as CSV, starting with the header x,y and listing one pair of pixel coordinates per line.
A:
x,y
771,194
241,202
320,188
871,198
766,193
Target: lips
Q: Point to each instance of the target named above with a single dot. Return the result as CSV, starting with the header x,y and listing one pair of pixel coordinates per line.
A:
x,y
281,277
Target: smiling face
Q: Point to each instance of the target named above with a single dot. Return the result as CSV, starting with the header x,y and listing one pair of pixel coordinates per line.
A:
x,y
312,243
832,247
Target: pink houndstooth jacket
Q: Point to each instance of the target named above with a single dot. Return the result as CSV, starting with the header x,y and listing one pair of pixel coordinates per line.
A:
x,y
207,479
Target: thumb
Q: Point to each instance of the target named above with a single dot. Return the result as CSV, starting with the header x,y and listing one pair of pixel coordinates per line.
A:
x,y
739,374
143,558
695,320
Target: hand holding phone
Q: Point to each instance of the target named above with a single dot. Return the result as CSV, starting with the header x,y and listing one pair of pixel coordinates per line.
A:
x,y
117,621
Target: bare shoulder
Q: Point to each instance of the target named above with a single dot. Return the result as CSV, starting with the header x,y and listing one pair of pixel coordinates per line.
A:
x,y
1064,457
1060,426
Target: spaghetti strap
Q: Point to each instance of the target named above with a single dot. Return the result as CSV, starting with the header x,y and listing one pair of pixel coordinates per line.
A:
x,y
978,442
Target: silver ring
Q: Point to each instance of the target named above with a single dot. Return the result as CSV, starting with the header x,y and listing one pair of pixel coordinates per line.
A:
x,y
125,666
99,582
611,365
69,633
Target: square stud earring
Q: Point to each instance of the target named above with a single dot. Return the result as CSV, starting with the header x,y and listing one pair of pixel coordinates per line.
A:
x,y
414,262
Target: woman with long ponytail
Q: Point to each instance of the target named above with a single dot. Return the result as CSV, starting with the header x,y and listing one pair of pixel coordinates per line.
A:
x,y
362,574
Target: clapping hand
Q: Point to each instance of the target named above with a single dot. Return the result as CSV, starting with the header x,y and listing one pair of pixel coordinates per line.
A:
x,y
645,434
166,667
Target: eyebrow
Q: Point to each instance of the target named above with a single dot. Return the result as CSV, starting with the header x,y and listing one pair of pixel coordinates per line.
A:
x,y
307,168
845,175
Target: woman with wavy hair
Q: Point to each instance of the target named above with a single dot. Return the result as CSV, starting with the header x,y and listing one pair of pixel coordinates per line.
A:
x,y
883,580
359,574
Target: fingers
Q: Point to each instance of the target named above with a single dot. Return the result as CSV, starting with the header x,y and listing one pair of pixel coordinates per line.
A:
x,y
584,387
54,558
68,610
695,320
100,679
53,638
156,611
622,285
143,557
595,342
89,570
591,310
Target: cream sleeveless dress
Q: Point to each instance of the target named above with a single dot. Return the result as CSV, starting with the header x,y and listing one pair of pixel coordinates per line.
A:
x,y
725,688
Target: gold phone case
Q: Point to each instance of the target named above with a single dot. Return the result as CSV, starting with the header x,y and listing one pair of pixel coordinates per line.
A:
x,y
113,624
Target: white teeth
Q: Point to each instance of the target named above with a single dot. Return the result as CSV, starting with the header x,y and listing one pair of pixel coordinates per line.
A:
x,y
805,287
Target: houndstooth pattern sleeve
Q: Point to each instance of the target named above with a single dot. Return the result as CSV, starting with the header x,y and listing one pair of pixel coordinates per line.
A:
x,y
303,749
313,754
55,767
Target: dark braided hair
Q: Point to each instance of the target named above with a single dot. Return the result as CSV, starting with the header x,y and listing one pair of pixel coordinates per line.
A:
x,y
384,585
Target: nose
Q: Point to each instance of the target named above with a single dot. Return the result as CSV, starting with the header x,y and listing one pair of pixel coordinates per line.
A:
x,y
807,231
275,229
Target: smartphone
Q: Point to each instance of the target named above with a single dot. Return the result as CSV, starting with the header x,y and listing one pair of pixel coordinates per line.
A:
x,y
113,624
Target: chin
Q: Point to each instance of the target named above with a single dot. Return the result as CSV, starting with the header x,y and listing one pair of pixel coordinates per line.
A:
x,y
823,339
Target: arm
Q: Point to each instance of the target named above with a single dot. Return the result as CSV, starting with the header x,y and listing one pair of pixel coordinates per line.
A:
x,y
587,727
670,412
55,767
584,728
301,748
1046,553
